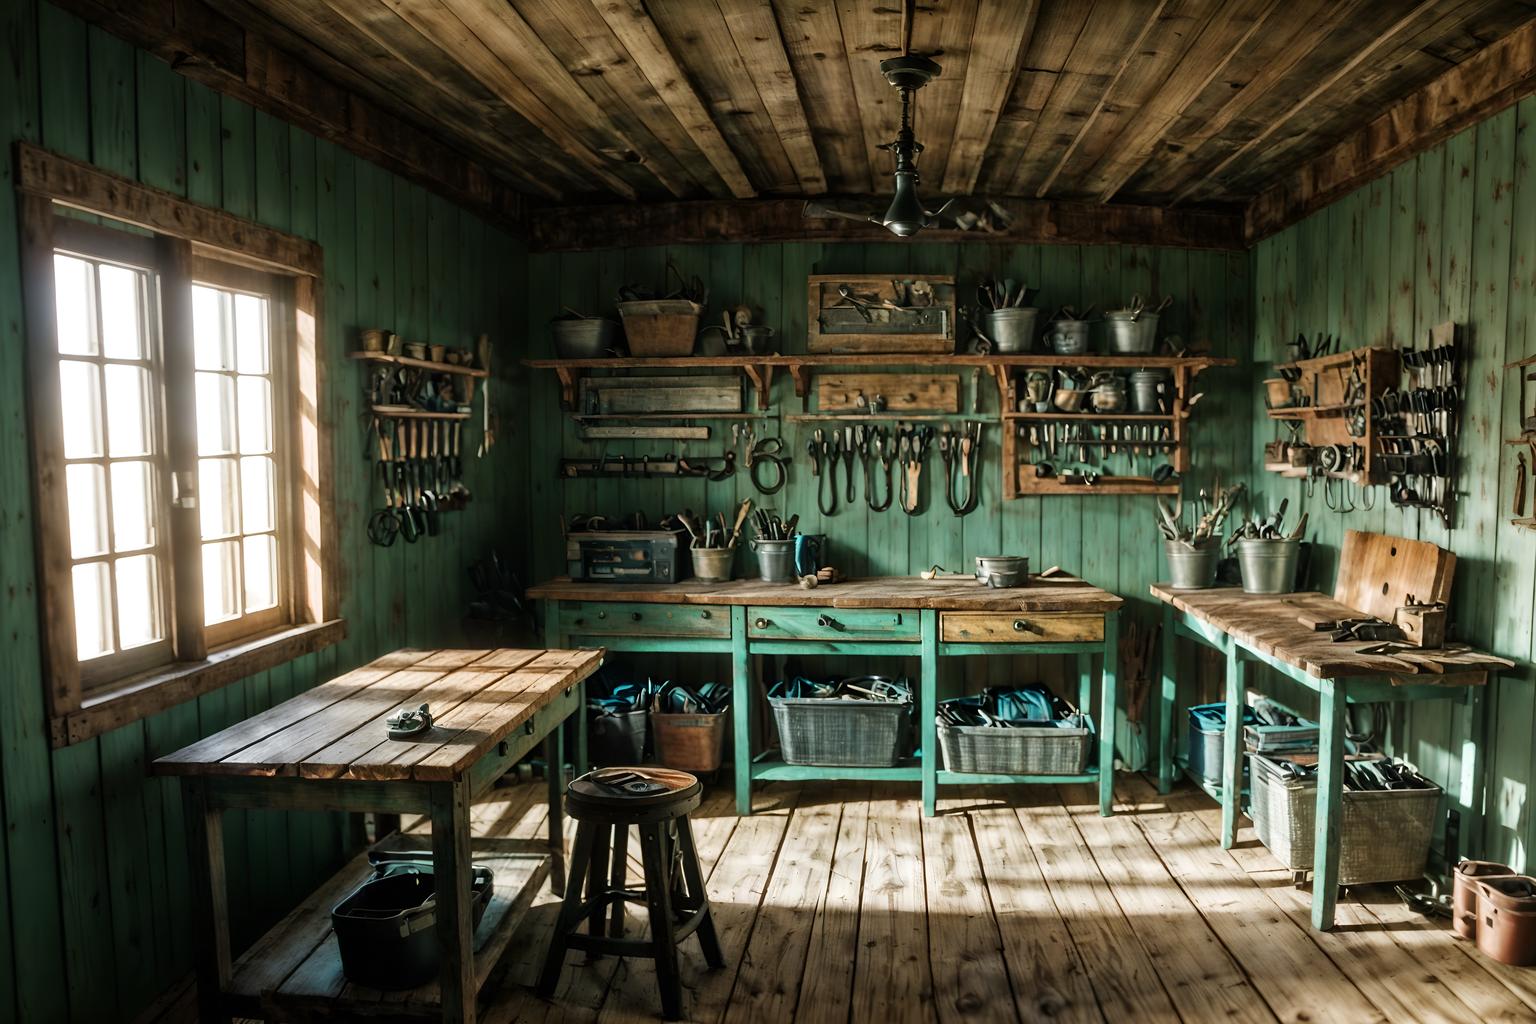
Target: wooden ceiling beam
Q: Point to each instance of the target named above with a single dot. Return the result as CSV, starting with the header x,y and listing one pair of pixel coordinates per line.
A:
x,y
1001,31
510,38
943,31
761,47
371,38
211,48
1129,53
633,26
612,226
1494,78
871,33
593,55
1220,39
1205,183
438,23
814,41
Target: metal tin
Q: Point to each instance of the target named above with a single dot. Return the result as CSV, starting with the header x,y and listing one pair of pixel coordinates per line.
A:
x,y
1129,333
1067,337
1192,566
1269,566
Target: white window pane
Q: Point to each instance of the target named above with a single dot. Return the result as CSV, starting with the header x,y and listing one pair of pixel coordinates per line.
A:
x,y
138,600
221,581
215,414
122,312
75,321
218,494
255,415
128,410
93,610
80,390
133,524
260,572
86,487
212,343
257,483
251,334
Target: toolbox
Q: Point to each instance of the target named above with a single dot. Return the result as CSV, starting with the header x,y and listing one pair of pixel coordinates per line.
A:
x,y
627,556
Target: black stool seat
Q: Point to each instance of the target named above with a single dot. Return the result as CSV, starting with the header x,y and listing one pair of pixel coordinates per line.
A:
x,y
605,804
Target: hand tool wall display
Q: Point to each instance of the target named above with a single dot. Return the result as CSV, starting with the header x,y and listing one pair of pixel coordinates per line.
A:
x,y
418,397
1523,441
1417,426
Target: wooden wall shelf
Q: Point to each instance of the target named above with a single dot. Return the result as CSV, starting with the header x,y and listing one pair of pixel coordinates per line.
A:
x,y
389,412
1325,421
419,364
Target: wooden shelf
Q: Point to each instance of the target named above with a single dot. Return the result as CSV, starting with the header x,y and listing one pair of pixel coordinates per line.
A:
x,y
1345,358
297,965
621,416
419,364
389,412
1029,484
1117,417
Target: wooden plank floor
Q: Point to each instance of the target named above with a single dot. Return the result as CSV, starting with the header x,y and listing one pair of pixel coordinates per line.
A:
x,y
839,902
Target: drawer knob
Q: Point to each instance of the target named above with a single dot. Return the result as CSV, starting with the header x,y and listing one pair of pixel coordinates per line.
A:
x,y
762,623
634,616
704,614
579,622
600,615
828,622
1020,626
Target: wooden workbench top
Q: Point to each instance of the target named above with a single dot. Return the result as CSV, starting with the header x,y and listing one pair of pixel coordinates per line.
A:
x,y
337,730
1059,594
1268,624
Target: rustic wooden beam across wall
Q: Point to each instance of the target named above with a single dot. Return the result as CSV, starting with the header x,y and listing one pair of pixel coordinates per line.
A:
x,y
209,47
582,228
1494,78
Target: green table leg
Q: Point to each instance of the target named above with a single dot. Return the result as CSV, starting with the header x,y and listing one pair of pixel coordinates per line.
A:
x,y
927,708
579,755
1108,704
1330,781
1167,702
741,708
1232,747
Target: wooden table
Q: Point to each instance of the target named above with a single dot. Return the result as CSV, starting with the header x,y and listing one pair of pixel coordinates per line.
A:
x,y
327,749
1265,628
879,616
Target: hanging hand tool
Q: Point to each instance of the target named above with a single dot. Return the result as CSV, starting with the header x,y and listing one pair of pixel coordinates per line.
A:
x,y
1520,470
848,453
914,449
964,450
883,448
767,452
824,456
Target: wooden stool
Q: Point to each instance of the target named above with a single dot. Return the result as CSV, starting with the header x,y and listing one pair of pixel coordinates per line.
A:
x,y
605,803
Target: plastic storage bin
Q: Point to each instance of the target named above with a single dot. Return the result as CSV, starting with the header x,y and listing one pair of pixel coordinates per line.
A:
x,y
386,929
1207,724
833,732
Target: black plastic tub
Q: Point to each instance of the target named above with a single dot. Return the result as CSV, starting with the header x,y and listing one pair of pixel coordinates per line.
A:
x,y
387,927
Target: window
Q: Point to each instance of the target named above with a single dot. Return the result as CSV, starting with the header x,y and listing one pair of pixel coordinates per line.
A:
x,y
179,470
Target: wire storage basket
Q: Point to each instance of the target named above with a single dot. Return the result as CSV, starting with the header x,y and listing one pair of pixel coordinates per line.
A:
x,y
836,725
1383,834
1046,749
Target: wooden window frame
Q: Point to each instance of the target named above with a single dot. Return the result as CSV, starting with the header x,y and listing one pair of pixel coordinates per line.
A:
x,y
184,233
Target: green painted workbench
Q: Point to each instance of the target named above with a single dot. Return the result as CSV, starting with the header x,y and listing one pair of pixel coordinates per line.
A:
x,y
880,617
1265,629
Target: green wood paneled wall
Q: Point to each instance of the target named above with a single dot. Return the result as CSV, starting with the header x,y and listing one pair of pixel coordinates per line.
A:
x,y
1111,540
92,901
1450,235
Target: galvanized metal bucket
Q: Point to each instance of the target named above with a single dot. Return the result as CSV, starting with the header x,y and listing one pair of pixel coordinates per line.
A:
x,y
1068,337
1269,566
1008,331
775,560
1192,566
1129,333
1147,387
713,565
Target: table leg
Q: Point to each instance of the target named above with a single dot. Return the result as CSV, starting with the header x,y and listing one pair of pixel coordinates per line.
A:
x,y
1332,700
928,707
455,916
741,709
210,900
579,755
1168,702
554,759
1108,712
1232,747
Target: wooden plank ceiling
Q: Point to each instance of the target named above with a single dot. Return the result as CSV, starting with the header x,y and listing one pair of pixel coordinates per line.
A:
x,y
1200,103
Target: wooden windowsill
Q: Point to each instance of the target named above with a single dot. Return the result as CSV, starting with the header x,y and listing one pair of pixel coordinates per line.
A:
x,y
148,693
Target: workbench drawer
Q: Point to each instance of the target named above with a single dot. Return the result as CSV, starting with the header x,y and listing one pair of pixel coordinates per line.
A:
x,y
1020,627
831,624
613,618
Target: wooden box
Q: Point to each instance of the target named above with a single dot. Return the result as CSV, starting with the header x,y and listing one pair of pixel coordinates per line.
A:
x,y
896,313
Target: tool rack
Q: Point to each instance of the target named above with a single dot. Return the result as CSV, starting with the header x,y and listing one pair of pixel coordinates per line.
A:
x,y
1526,437
1325,420
1018,477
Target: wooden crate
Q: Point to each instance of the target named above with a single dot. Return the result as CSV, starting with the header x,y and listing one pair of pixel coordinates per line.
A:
x,y
834,325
